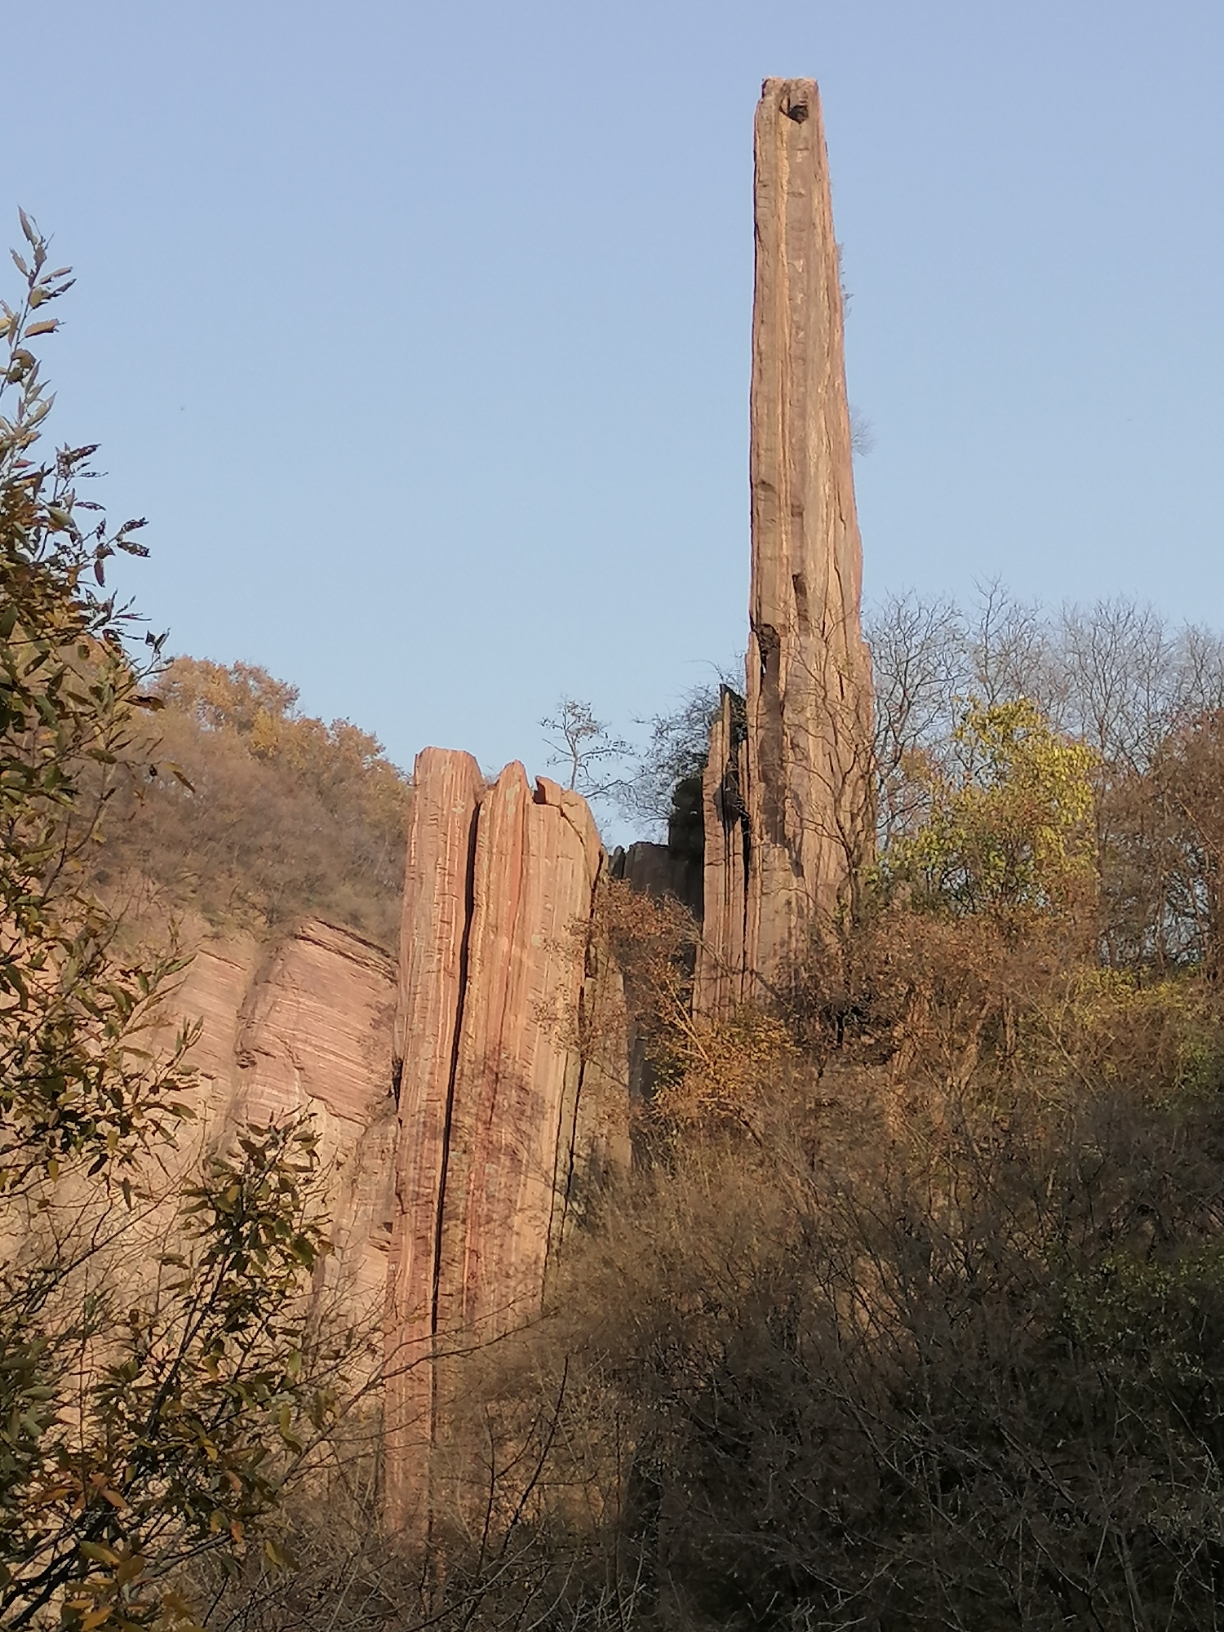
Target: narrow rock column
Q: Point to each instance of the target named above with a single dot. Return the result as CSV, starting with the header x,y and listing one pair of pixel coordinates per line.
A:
x,y
719,979
807,782
433,975
809,671
538,857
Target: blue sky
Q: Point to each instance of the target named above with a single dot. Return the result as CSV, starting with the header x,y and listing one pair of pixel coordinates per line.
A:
x,y
420,332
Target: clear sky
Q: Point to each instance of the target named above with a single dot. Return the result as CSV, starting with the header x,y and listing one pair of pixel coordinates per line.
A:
x,y
419,331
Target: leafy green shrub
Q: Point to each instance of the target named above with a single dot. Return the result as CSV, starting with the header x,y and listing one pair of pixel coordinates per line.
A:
x,y
141,1421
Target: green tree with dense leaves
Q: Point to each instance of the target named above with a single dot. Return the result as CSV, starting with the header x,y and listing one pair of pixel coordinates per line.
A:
x,y
155,1368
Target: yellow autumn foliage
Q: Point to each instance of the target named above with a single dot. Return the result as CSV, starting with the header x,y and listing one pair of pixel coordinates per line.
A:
x,y
722,1071
1009,831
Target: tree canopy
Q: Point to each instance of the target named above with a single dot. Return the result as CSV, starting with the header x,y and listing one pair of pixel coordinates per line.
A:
x,y
154,1357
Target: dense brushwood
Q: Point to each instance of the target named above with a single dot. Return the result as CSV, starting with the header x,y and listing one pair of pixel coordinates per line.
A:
x,y
912,1313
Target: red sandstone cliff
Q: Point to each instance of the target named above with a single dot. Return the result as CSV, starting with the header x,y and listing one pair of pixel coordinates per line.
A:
x,y
304,1022
509,1091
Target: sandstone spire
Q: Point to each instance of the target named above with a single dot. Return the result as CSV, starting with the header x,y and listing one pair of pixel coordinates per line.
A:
x,y
800,811
502,1094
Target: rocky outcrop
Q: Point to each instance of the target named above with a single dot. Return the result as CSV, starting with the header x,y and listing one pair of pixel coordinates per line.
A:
x,y
464,1137
798,824
719,980
512,1091
304,1023
659,870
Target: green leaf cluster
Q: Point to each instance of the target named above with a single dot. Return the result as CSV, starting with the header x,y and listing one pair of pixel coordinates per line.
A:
x,y
1008,832
72,1085
148,1407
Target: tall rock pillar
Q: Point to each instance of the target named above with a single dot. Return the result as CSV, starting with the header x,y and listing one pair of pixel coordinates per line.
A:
x,y
512,1089
803,811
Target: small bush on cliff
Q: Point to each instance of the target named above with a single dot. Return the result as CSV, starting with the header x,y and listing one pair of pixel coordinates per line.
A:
x,y
146,1397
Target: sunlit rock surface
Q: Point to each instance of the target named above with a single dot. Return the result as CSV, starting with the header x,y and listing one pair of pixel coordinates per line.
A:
x,y
799,822
512,1087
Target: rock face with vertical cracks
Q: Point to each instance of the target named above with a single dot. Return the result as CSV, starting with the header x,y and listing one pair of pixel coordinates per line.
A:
x,y
511,1034
802,825
719,979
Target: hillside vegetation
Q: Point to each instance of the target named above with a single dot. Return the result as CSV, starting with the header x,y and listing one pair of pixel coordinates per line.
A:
x,y
912,1314
256,814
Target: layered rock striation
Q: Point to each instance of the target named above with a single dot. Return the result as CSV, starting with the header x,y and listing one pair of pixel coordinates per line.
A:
x,y
303,1024
511,1089
787,793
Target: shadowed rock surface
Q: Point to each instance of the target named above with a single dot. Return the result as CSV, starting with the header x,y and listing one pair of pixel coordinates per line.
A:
x,y
304,1023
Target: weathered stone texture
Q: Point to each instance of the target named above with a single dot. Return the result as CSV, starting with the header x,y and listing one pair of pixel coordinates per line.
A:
x,y
805,776
303,1024
661,870
537,861
433,968
506,1096
719,978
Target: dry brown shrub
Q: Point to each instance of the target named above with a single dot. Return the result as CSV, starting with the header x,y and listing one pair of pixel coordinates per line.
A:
x,y
905,1369
652,939
702,1072
724,1071
1163,852
259,815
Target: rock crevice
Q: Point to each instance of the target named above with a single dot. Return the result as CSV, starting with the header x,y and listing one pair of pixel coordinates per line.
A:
x,y
506,1092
